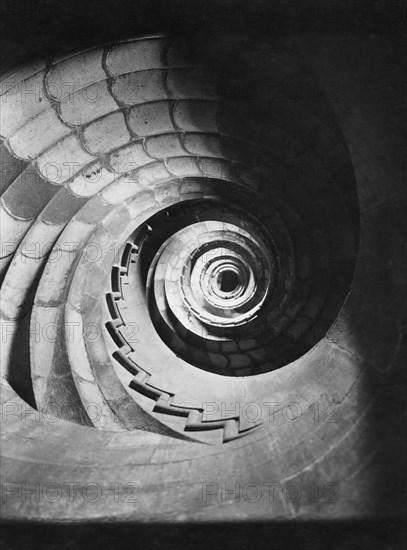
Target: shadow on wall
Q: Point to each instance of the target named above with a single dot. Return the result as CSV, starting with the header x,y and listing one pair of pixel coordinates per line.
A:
x,y
370,102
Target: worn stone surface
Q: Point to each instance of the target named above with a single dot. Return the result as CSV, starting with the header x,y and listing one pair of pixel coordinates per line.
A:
x,y
140,87
32,184
139,55
87,104
196,115
11,168
38,134
75,73
12,231
151,118
23,101
106,134
61,162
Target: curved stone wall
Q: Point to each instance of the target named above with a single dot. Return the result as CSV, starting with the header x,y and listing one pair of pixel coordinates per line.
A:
x,y
200,280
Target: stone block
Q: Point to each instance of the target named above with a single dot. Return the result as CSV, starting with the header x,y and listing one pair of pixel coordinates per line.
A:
x,y
74,73
142,202
12,78
10,167
40,238
31,184
137,55
128,158
164,146
55,279
193,84
63,161
106,134
92,179
62,207
152,173
141,87
87,104
75,237
22,102
19,285
203,145
217,169
120,190
196,116
183,166
12,231
151,118
94,210
38,134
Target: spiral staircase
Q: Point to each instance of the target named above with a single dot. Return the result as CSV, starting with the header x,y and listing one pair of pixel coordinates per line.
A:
x,y
201,283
